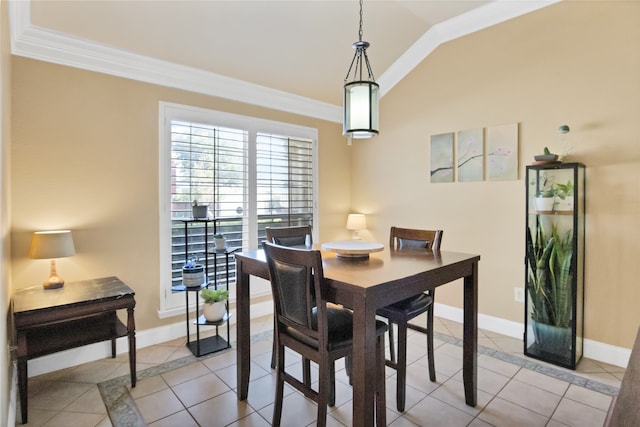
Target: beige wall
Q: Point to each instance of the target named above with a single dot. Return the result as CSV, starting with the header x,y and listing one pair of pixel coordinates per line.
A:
x,y
575,63
5,225
85,157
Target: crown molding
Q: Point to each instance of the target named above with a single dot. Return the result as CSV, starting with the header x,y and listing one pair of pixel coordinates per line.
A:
x,y
39,43
475,20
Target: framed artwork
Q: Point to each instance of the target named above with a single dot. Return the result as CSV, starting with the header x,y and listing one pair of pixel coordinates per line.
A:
x,y
502,152
470,155
442,157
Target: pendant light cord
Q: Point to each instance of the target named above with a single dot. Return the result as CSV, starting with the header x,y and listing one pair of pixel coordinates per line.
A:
x,y
360,32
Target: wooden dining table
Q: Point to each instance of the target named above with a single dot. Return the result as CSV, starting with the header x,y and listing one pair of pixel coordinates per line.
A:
x,y
365,285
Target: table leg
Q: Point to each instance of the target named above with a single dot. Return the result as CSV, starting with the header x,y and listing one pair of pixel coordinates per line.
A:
x,y
243,332
364,362
131,329
22,386
470,338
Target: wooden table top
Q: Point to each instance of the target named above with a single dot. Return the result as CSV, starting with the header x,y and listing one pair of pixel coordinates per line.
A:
x,y
72,293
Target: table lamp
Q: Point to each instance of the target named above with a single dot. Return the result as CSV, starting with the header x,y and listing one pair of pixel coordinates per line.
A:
x,y
356,222
52,245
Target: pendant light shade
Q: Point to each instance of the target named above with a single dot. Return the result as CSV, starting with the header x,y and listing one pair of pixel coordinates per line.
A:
x,y
361,94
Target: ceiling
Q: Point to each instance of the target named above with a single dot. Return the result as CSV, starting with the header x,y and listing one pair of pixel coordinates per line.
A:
x,y
300,48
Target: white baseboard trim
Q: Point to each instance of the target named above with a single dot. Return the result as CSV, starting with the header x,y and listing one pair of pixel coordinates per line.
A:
x,y
613,355
617,356
13,393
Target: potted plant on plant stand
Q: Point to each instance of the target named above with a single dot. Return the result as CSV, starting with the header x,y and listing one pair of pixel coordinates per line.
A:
x,y
193,273
215,303
549,284
220,241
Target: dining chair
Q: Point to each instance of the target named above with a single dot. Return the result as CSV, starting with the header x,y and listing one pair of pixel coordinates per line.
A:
x,y
315,328
290,236
298,236
403,311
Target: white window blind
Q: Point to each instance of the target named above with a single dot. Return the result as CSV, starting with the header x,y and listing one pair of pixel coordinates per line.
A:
x,y
251,174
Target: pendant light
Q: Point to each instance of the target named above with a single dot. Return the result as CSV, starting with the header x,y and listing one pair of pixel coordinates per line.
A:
x,y
360,95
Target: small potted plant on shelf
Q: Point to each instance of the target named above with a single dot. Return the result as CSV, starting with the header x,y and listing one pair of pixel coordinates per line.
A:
x,y
193,273
199,211
215,303
545,194
220,241
564,194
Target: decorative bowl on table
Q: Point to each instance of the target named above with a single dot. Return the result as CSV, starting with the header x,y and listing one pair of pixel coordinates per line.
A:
x,y
546,157
354,249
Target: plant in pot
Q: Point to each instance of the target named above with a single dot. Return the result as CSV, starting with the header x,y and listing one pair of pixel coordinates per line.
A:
x,y
199,211
215,304
549,284
564,194
545,194
193,273
220,241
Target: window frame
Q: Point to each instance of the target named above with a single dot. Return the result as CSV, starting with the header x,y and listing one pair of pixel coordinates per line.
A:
x,y
171,303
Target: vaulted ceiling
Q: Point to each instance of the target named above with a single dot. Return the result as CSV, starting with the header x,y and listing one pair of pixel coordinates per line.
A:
x,y
292,55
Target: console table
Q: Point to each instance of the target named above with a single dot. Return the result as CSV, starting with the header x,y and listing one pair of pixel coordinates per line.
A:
x,y
80,313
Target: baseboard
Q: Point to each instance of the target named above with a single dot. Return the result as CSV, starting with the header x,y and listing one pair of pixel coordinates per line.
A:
x,y
13,393
146,338
618,356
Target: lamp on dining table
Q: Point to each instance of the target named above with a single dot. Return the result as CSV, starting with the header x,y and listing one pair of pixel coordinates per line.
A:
x,y
356,222
52,245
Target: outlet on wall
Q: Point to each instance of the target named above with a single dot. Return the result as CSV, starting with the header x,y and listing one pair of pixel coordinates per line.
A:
x,y
518,294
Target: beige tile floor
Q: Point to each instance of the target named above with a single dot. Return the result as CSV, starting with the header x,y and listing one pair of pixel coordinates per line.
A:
x,y
202,393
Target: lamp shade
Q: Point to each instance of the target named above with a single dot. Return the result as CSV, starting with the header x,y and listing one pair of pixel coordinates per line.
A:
x,y
356,222
361,109
51,244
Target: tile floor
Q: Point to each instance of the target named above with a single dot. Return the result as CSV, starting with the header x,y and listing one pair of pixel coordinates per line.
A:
x,y
176,389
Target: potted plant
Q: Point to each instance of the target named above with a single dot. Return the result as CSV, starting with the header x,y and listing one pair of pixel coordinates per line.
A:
x,y
199,211
193,273
564,194
220,241
549,284
545,194
215,303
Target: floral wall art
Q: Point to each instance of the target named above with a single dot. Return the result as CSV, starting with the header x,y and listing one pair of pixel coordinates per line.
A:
x,y
483,153
442,157
502,152
470,155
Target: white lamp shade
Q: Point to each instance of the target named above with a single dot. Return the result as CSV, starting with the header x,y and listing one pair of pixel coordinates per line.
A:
x,y
356,222
361,109
51,244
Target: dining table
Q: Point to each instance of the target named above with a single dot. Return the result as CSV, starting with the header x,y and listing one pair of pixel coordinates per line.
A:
x,y
364,285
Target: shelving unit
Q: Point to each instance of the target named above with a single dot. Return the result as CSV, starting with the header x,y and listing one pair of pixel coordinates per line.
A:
x,y
554,263
201,346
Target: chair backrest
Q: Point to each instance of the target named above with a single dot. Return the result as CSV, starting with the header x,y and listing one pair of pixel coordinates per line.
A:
x,y
290,236
297,278
408,238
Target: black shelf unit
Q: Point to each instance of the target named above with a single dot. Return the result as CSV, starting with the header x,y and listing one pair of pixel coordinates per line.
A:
x,y
202,346
554,263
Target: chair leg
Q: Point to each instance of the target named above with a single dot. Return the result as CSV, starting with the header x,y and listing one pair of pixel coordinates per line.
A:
x,y
324,391
392,343
432,366
401,367
381,407
332,385
306,372
277,406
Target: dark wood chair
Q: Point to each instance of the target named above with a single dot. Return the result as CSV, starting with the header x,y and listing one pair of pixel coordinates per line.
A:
x,y
313,327
297,236
402,312
290,236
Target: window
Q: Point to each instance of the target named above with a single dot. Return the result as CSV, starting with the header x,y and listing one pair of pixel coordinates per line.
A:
x,y
250,173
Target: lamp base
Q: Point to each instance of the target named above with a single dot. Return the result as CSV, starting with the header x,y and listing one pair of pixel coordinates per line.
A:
x,y
54,282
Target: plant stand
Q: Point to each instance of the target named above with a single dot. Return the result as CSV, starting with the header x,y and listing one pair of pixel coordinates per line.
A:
x,y
202,346
554,278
